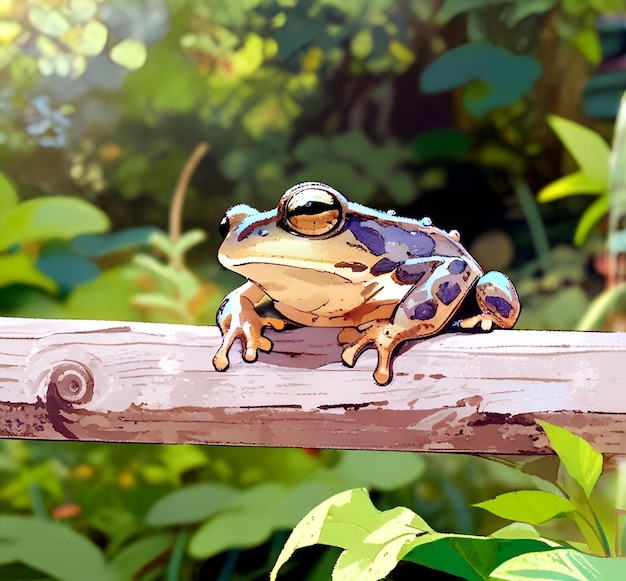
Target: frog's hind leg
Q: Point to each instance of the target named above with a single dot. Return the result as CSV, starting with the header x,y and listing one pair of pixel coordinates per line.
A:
x,y
498,302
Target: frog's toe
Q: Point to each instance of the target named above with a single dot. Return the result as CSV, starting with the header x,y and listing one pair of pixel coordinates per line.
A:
x,y
275,323
383,373
352,352
220,360
482,322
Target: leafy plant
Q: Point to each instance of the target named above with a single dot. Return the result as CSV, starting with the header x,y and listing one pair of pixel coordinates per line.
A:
x,y
591,153
26,226
373,542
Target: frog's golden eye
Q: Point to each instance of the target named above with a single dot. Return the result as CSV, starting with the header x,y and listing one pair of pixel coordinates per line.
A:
x,y
312,212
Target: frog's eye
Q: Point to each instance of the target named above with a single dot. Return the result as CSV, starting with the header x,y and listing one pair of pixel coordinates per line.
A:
x,y
312,212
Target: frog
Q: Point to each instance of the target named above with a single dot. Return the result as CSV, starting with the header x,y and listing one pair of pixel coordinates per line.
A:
x,y
319,260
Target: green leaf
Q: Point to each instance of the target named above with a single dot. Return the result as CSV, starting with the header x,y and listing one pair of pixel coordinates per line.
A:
x,y
89,40
571,185
471,558
588,43
591,216
393,469
496,76
53,548
191,504
53,217
67,270
560,565
137,555
587,147
187,241
362,43
373,541
529,506
98,245
582,462
130,54
250,522
8,195
18,268
48,20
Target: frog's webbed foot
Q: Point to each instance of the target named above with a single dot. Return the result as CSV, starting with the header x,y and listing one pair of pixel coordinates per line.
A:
x,y
380,334
248,327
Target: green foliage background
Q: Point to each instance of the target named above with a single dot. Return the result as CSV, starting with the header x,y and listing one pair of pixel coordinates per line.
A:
x,y
441,108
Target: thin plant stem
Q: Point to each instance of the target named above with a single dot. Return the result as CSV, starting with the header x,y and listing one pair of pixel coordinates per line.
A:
x,y
535,223
178,198
176,558
39,510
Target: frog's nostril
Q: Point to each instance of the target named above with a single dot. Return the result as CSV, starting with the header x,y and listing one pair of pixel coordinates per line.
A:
x,y
224,227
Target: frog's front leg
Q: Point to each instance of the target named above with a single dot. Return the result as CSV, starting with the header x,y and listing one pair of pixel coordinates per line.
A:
x,y
238,318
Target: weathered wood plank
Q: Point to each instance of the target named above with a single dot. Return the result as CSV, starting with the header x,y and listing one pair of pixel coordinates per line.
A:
x,y
457,392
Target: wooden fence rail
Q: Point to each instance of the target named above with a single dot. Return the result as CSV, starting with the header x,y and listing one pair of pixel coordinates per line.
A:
x,y
144,382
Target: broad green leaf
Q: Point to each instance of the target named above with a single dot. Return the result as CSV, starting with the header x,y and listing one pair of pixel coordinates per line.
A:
x,y
249,521
468,557
18,268
372,562
135,556
529,506
48,20
67,270
8,196
587,147
517,11
571,185
560,565
129,54
106,297
98,245
393,469
496,76
582,462
54,549
299,499
53,217
591,216
191,504
362,43
88,40
350,521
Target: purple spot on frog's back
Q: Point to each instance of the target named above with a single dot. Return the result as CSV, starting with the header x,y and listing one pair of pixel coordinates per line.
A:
x,y
448,292
457,266
411,273
383,266
501,305
366,236
425,311
417,243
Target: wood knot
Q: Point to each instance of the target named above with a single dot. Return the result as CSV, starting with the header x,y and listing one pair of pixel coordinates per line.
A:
x,y
73,382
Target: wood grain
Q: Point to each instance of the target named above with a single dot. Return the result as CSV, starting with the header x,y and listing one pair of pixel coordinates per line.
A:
x,y
455,392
